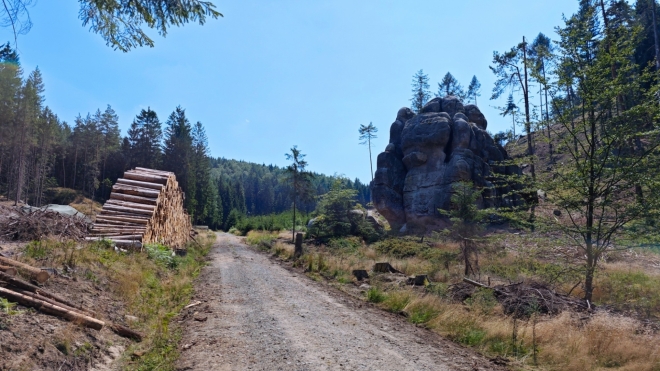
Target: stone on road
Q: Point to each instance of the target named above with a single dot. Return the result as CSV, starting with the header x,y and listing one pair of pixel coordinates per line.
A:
x,y
260,316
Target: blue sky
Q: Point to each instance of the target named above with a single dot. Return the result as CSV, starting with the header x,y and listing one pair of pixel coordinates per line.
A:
x,y
271,74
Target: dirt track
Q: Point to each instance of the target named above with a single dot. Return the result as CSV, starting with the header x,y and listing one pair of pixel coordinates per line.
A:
x,y
257,315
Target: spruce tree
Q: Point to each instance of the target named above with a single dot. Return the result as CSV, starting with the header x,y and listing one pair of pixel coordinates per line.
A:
x,y
450,86
474,89
420,91
145,136
178,155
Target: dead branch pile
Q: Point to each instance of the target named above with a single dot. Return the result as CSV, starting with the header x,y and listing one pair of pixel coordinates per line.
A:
x,y
22,225
16,290
146,206
523,300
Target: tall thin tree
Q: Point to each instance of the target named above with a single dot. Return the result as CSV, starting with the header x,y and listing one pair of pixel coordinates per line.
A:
x,y
420,91
367,133
301,181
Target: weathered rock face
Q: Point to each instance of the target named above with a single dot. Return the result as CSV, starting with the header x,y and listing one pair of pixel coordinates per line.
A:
x,y
445,143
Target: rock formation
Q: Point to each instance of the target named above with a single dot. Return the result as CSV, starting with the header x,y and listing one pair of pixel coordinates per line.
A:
x,y
445,143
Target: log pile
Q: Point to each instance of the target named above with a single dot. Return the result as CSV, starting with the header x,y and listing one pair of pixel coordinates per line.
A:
x,y
145,206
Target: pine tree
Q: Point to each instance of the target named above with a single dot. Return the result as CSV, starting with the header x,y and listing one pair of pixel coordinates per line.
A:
x,y
420,91
300,180
541,56
367,133
511,109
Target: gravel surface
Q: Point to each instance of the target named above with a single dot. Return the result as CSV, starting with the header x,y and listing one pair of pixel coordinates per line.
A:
x,y
257,315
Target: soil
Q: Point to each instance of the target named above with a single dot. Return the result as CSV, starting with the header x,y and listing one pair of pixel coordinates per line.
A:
x,y
256,314
32,340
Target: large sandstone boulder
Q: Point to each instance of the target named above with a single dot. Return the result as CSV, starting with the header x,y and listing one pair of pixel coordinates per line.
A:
x,y
445,143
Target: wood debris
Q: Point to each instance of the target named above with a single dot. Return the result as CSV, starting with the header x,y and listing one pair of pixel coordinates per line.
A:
x,y
27,225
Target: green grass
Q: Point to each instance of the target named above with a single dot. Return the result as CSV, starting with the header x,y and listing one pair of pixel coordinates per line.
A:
x,y
261,239
397,300
153,285
630,289
421,312
375,295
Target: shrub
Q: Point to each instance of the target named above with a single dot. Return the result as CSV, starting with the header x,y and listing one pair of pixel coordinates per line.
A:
x,y
161,254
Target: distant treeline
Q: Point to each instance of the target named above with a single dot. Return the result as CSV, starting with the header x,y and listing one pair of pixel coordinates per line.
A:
x,y
255,189
39,152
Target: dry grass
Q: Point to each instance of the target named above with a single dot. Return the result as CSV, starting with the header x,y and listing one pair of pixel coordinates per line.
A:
x,y
564,342
147,289
86,206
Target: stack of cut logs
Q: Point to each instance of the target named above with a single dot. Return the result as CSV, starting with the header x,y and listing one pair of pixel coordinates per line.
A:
x,y
146,206
14,289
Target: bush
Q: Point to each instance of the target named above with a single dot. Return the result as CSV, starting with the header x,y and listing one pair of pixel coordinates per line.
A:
x,y
161,254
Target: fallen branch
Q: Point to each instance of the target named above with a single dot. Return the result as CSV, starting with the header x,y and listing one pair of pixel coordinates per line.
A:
x,y
126,332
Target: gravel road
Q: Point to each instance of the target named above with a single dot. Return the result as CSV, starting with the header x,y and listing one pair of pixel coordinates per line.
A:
x,y
258,315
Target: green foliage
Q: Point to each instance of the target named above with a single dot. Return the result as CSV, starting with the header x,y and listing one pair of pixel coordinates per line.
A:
x,y
631,289
403,247
7,307
375,295
345,244
261,240
450,86
421,312
482,301
465,330
397,300
160,254
420,91
333,213
337,215
120,23
38,249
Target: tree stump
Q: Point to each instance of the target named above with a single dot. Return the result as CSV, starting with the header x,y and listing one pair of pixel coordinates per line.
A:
x,y
298,249
385,268
360,274
419,280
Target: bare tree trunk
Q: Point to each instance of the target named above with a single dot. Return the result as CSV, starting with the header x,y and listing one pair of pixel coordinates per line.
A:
x,y
655,38
370,161
530,137
528,124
